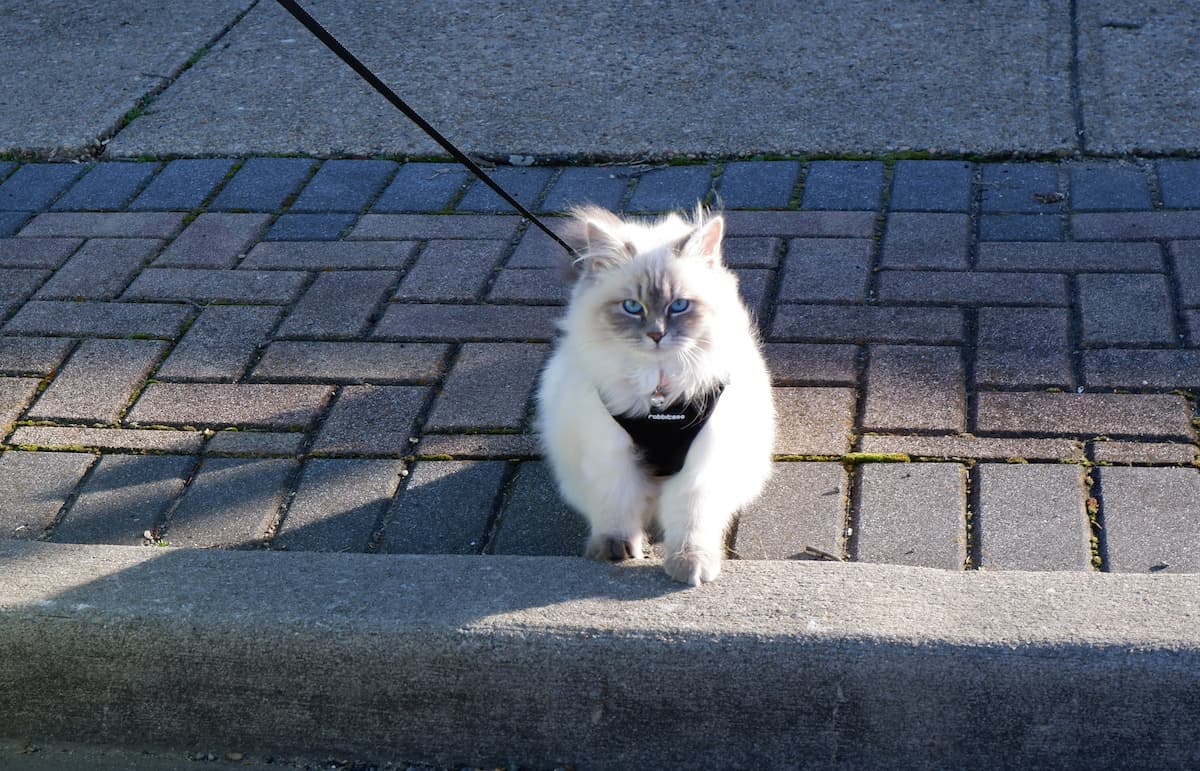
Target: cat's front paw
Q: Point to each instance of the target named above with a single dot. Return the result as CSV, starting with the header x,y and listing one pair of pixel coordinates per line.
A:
x,y
614,548
693,565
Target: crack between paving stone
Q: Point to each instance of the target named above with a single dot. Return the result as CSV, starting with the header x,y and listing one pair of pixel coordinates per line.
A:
x,y
100,145
1081,139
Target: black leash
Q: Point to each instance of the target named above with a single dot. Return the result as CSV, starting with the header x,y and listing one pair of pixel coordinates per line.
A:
x,y
332,44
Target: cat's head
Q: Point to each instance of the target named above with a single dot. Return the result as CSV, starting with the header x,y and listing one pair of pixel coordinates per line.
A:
x,y
658,288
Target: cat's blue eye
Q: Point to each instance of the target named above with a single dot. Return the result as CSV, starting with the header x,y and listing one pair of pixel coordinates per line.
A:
x,y
679,306
632,307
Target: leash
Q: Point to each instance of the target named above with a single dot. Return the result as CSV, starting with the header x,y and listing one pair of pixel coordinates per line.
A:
x,y
330,42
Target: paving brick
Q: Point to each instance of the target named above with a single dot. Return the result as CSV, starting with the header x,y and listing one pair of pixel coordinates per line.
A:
x,y
674,188
931,186
106,187
1140,368
488,387
972,287
753,252
1108,187
183,185
535,520
923,240
230,503
1192,320
579,186
813,421
1021,187
804,505
36,252
33,488
818,269
18,283
914,387
968,447
372,420
122,498
263,185
843,185
1179,183
859,324
199,285
1020,227
1024,347
422,187
310,227
523,184
1131,308
911,514
100,319
337,504
320,255
98,381
101,269
445,509
344,186
754,286
401,227
1144,452
468,322
451,270
221,343
339,304
1063,257
34,186
1185,258
257,443
530,285
1132,226
536,250
801,224
138,440
478,446
758,184
352,361
214,240
1032,517
104,224
1149,415
32,355
15,395
12,221
811,363
1150,522
221,404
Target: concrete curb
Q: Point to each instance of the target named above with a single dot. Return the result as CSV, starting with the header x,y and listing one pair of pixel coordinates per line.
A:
x,y
543,661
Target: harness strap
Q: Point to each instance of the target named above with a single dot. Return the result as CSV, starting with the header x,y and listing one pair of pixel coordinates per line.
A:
x,y
365,73
665,435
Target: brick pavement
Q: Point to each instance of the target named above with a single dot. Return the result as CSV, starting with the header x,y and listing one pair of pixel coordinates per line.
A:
x,y
977,365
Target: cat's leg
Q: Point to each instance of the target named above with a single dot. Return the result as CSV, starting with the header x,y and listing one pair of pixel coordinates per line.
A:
x,y
596,467
615,502
694,521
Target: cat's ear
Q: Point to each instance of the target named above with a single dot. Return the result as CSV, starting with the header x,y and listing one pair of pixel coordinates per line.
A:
x,y
705,242
596,235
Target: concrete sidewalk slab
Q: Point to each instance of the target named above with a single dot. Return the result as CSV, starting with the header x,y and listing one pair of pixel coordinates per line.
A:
x,y
73,70
552,661
580,79
1138,69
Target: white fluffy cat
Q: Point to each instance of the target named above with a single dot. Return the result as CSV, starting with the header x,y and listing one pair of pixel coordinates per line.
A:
x,y
656,334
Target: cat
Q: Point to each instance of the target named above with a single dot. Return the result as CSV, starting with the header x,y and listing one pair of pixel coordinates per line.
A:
x,y
656,336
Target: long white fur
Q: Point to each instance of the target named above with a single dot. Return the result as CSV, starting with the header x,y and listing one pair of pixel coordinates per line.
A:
x,y
594,460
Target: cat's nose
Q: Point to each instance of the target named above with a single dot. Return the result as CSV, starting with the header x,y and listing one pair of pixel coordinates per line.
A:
x,y
656,336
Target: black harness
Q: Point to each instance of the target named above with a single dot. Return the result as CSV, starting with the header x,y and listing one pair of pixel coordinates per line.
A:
x,y
665,435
